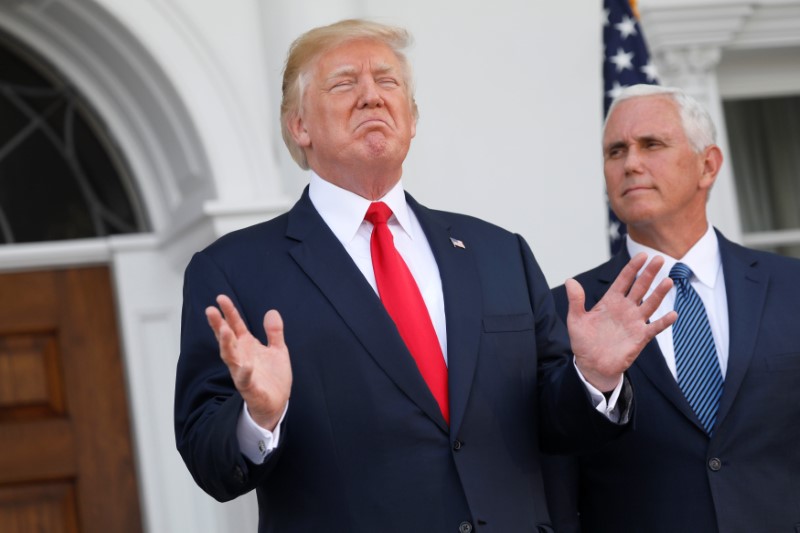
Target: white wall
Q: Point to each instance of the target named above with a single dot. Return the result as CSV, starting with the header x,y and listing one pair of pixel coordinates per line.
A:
x,y
510,110
509,97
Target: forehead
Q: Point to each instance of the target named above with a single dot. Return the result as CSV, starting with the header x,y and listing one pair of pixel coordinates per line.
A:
x,y
644,116
356,54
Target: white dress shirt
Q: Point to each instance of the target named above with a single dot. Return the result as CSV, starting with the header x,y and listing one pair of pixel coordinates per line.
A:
x,y
707,280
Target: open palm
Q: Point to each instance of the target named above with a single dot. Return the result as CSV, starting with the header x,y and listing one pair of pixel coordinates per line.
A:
x,y
262,374
607,339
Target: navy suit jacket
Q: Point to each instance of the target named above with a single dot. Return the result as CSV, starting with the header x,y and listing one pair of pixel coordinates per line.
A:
x,y
667,475
364,446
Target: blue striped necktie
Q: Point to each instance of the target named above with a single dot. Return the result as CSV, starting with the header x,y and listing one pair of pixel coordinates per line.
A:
x,y
699,376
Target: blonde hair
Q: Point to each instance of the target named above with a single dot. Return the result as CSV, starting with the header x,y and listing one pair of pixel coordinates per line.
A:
x,y
309,46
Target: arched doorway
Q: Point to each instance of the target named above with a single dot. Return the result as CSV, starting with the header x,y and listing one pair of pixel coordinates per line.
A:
x,y
88,445
66,454
140,70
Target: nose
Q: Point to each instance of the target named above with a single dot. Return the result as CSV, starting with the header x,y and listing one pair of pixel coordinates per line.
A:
x,y
369,96
633,160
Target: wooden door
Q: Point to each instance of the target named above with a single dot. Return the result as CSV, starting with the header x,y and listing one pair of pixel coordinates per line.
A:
x,y
66,462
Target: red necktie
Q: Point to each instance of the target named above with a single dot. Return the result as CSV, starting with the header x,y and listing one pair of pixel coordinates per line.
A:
x,y
402,299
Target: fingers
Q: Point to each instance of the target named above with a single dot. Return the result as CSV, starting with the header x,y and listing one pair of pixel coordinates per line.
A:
x,y
223,327
650,305
232,316
628,274
215,319
643,282
663,323
223,333
227,346
273,326
576,297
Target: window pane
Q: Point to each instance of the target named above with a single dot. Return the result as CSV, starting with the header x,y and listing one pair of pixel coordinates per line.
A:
x,y
38,196
61,176
764,136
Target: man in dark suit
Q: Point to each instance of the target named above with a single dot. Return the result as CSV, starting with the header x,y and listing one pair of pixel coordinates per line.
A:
x,y
381,434
732,464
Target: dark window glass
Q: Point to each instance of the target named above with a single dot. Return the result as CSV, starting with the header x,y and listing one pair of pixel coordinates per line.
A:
x,y
60,174
764,136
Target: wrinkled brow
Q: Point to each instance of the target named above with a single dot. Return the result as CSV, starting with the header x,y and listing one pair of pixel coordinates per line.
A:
x,y
613,146
640,140
351,70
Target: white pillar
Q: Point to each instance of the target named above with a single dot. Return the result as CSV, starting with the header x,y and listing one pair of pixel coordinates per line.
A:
x,y
693,68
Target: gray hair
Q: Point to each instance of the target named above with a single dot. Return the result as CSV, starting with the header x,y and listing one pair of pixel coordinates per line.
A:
x,y
696,122
309,46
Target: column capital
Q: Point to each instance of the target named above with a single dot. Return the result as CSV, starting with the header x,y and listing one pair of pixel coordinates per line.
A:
x,y
688,66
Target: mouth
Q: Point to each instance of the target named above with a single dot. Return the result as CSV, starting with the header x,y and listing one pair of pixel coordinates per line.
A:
x,y
372,123
635,190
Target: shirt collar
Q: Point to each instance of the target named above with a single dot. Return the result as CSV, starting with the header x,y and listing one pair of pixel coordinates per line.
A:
x,y
343,211
703,258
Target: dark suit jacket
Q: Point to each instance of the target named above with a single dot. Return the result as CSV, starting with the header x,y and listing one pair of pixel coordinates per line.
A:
x,y
666,475
365,446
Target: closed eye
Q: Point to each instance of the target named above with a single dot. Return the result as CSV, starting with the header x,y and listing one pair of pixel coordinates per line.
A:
x,y
388,82
341,85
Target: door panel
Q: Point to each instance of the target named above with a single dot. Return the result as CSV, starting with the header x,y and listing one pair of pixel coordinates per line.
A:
x,y
45,507
66,461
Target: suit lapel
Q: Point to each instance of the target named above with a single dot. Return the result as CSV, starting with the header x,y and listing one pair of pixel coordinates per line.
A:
x,y
325,261
746,289
651,361
462,302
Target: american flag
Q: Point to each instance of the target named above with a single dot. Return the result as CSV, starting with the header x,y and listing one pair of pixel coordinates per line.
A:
x,y
625,62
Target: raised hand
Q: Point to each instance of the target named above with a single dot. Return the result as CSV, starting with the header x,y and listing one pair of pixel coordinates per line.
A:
x,y
607,339
262,374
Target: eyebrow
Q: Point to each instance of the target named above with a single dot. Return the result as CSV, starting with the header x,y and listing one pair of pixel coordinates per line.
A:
x,y
641,138
614,145
349,70
652,137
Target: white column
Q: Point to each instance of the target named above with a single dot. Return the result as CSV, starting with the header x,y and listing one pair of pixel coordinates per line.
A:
x,y
693,68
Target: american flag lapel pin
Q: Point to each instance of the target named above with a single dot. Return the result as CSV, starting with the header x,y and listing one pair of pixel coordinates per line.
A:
x,y
458,243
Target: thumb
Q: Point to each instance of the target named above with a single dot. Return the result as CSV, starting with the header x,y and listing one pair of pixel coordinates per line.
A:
x,y
576,298
273,326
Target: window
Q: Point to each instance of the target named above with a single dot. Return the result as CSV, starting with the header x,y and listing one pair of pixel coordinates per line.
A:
x,y
764,138
61,175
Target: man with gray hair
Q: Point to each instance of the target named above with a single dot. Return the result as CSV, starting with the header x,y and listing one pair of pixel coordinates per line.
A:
x,y
427,364
715,440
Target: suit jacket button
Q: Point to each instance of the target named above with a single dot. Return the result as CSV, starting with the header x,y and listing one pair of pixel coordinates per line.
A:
x,y
714,464
464,527
238,474
457,446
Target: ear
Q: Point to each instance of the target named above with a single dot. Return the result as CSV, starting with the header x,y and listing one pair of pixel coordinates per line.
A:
x,y
297,128
414,117
712,162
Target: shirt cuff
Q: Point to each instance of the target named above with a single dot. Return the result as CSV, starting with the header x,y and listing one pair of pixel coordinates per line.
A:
x,y
255,442
607,406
